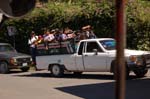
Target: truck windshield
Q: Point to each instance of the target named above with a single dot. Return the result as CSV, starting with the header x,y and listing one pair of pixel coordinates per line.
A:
x,y
108,44
6,48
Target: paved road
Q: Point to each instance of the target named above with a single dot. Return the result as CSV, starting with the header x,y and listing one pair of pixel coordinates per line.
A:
x,y
40,85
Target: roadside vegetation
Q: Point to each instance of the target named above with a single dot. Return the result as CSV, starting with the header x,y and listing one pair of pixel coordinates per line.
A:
x,y
75,14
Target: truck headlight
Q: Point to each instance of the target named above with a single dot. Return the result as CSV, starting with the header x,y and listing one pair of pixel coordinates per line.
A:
x,y
31,59
13,61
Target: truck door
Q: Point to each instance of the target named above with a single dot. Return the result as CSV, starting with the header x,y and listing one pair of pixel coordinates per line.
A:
x,y
79,57
93,61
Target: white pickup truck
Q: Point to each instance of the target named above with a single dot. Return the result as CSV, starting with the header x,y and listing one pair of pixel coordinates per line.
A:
x,y
91,55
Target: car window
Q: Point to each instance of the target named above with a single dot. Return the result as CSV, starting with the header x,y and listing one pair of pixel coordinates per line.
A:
x,y
6,48
109,44
80,48
93,45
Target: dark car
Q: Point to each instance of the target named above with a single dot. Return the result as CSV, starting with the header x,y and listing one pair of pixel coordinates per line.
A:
x,y
11,59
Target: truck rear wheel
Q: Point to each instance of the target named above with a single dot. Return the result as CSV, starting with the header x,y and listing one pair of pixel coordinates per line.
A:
x,y
140,73
56,70
4,68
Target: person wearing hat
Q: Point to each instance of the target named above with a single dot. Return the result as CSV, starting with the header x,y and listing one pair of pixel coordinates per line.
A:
x,y
48,38
33,46
89,34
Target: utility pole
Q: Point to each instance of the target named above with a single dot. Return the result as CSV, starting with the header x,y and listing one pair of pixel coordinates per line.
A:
x,y
120,40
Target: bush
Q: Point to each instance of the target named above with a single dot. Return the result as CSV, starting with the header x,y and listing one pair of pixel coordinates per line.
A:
x,y
75,14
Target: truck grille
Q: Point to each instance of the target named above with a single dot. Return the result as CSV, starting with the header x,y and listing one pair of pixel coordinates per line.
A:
x,y
23,60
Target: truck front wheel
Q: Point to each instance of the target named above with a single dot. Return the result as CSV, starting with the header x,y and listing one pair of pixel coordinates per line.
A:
x,y
56,70
113,70
4,68
140,73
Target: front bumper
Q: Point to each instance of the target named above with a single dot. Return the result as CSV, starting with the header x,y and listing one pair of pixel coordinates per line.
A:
x,y
19,65
133,66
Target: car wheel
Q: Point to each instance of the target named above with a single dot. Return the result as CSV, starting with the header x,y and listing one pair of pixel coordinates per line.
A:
x,y
25,69
4,68
140,73
56,70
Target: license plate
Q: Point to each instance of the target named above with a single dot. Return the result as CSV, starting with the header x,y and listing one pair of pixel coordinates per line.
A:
x,y
24,64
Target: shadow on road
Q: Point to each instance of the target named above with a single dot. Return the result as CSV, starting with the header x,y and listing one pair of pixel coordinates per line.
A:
x,y
135,89
72,76
91,91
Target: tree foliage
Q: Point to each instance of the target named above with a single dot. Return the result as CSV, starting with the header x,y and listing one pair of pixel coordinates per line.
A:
x,y
138,28
76,13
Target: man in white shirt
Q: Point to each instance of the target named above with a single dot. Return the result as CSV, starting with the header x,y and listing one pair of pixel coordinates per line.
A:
x,y
33,43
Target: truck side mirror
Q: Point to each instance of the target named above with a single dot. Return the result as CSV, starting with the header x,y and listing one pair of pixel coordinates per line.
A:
x,y
16,8
95,51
